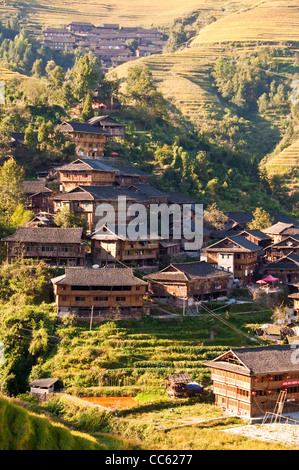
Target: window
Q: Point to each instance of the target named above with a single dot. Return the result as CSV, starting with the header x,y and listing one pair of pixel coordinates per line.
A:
x,y
80,299
100,299
120,299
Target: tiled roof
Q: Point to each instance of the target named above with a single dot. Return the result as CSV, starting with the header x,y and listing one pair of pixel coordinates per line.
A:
x,y
98,277
46,235
35,187
185,271
259,360
81,127
277,228
85,165
290,262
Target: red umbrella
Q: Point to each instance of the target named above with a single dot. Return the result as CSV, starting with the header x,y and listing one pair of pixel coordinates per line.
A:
x,y
114,153
261,281
271,279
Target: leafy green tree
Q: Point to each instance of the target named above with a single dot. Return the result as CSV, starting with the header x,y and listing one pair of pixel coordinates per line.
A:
x,y
66,219
86,74
142,93
87,111
261,219
11,178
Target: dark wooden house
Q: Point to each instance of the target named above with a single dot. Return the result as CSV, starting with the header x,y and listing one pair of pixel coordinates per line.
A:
x,y
86,291
56,246
115,247
247,381
286,269
235,254
37,196
185,283
282,248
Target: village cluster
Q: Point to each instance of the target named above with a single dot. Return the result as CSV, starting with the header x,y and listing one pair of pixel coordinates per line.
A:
x,y
238,256
112,44
99,265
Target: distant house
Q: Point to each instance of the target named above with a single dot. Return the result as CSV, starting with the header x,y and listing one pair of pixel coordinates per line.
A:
x,y
130,175
286,269
86,172
37,196
236,255
238,220
276,231
56,246
186,283
86,291
84,200
90,141
282,248
109,246
116,129
257,237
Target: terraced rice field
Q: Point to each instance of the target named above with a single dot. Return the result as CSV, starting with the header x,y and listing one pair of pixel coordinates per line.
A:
x,y
270,21
127,13
285,162
184,79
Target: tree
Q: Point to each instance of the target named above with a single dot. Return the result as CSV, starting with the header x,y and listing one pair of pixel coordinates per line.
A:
x,y
30,137
11,178
261,219
66,219
214,218
87,111
143,94
86,75
37,68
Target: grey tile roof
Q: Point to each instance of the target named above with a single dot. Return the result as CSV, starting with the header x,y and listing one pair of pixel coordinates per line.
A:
x,y
289,262
46,235
259,360
98,277
35,187
81,127
86,165
187,271
277,228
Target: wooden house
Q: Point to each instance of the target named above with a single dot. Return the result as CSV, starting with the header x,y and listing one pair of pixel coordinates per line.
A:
x,y
86,291
182,386
90,141
238,220
185,283
85,172
286,269
129,175
276,231
116,129
84,200
37,197
114,246
247,381
282,248
235,254
257,237
56,246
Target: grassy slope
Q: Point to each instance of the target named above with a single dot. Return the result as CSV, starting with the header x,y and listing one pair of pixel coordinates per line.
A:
x,y
23,430
134,12
270,21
